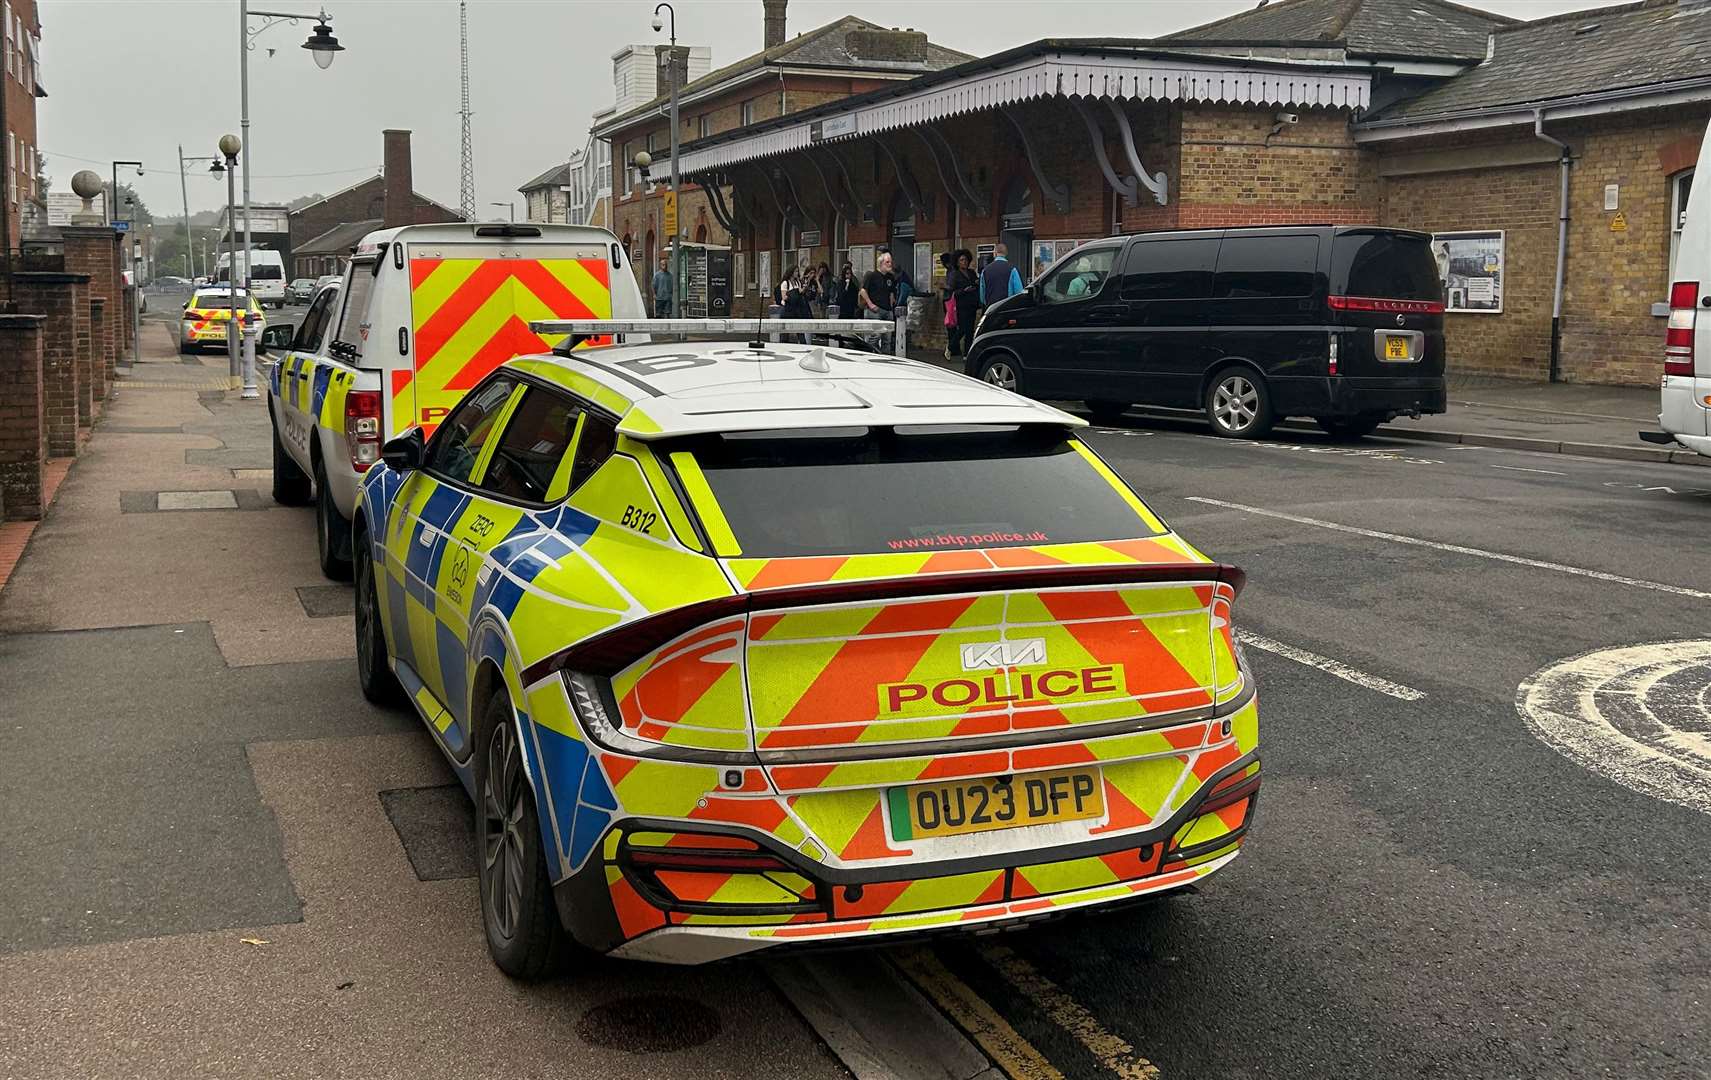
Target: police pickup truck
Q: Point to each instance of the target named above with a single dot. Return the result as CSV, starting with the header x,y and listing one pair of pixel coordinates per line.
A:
x,y
422,314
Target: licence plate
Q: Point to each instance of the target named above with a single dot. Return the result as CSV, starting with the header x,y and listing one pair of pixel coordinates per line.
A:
x,y
1395,348
988,803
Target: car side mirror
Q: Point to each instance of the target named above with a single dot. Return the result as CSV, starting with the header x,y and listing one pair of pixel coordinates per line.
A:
x,y
277,337
403,453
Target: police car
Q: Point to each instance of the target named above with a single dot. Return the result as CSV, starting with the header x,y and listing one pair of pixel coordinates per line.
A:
x,y
739,645
203,323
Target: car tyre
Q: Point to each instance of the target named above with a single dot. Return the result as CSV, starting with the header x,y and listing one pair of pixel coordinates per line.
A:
x,y
290,484
1106,412
524,935
1238,405
332,532
373,659
1348,428
1002,371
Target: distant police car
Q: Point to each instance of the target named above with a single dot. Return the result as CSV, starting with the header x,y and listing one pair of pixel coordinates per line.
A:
x,y
206,315
740,645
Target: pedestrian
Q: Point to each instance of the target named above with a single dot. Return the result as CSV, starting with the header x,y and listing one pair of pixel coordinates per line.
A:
x,y
846,293
1000,279
797,304
810,285
962,292
878,295
823,280
662,290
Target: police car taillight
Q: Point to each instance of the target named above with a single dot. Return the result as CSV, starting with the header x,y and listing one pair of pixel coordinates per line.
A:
x,y
1678,338
362,427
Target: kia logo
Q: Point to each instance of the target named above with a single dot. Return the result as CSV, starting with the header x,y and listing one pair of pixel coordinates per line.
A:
x,y
987,655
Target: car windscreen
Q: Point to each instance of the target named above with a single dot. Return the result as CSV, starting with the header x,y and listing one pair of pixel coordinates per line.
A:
x,y
206,301
861,490
1389,266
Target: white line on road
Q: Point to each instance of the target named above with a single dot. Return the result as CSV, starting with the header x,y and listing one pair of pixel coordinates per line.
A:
x,y
1460,549
1330,667
1517,468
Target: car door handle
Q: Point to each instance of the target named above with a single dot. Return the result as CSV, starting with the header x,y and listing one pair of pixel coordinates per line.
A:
x,y
1104,315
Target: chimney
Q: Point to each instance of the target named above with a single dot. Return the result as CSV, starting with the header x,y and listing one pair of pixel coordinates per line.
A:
x,y
400,188
774,22
897,46
664,61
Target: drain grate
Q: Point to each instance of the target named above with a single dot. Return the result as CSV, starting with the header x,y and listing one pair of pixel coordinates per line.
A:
x,y
648,1024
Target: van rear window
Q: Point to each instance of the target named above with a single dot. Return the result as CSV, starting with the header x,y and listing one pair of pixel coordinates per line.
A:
x,y
263,272
860,491
1388,266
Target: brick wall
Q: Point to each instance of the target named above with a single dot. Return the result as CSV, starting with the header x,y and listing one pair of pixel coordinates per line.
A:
x,y
1235,172
23,436
363,202
100,346
1609,334
93,250
17,82
60,298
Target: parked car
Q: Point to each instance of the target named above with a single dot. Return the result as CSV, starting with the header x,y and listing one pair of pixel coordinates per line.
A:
x,y
300,290
1685,407
1341,324
207,313
745,649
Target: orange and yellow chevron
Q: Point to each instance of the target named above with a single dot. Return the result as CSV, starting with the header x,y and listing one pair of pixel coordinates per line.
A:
x,y
471,315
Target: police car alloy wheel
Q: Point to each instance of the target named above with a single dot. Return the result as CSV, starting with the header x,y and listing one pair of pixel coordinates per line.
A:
x,y
524,935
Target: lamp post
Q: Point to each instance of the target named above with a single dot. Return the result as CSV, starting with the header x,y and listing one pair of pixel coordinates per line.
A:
x,y
671,82
322,45
512,206
230,145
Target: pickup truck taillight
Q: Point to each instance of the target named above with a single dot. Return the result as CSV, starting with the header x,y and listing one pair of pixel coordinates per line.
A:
x,y
362,427
1678,339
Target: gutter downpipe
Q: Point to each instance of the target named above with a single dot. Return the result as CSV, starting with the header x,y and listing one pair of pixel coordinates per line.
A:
x,y
1562,244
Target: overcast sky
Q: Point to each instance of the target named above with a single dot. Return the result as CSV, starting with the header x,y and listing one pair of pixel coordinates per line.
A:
x,y
128,79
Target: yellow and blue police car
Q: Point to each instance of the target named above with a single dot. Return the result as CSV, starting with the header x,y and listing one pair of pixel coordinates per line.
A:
x,y
207,313
738,645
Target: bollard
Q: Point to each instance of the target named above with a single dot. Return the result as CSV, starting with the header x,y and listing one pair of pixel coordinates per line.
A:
x,y
900,336
250,389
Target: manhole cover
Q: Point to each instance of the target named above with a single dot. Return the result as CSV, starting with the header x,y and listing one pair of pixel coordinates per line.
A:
x,y
1638,714
648,1024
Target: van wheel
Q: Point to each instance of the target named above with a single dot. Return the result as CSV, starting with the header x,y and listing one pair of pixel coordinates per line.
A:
x,y
1106,412
524,935
1348,428
290,483
332,532
1001,372
1238,404
373,661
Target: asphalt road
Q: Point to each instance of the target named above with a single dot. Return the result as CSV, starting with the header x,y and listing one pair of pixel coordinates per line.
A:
x,y
220,861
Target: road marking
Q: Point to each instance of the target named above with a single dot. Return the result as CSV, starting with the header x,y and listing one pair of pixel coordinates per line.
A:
x,y
1636,714
1517,468
1460,549
1110,1050
1331,667
1002,1043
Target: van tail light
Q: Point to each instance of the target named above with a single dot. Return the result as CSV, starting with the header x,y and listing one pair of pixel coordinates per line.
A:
x,y
1678,339
1332,363
1397,307
362,427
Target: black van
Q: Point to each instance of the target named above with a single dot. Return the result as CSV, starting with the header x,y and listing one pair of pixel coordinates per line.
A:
x,y
1344,324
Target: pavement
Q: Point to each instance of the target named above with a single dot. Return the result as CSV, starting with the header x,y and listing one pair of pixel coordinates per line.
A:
x,y
1485,686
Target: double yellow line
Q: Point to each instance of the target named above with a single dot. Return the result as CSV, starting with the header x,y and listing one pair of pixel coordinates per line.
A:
x,y
1007,1047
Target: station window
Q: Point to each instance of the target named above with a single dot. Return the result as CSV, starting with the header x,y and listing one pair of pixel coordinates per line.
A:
x,y
748,112
703,126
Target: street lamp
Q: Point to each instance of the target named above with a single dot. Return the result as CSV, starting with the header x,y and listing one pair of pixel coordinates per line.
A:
x,y
671,75
512,206
112,207
322,45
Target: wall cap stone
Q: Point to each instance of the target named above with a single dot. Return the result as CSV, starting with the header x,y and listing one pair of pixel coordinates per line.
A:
x,y
51,277
21,322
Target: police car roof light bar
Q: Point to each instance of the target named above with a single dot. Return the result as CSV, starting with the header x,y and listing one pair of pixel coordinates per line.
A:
x,y
756,330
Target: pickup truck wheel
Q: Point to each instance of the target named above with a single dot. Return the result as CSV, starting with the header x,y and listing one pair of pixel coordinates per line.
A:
x,y
524,935
290,483
332,532
373,659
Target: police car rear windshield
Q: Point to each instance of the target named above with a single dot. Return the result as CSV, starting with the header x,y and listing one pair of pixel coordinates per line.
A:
x,y
861,491
220,300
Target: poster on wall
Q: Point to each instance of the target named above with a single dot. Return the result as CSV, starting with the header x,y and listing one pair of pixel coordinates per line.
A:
x,y
1471,265
921,273
1061,248
1044,256
983,254
741,267
766,282
861,259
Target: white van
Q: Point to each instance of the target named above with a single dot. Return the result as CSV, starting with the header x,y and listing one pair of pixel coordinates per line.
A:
x,y
422,313
1685,416
267,275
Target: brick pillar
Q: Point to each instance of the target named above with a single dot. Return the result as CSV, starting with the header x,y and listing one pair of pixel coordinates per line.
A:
x,y
59,297
99,344
94,250
23,436
129,323
85,355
